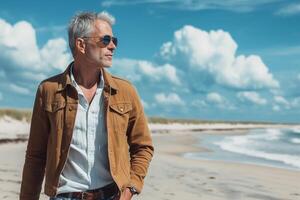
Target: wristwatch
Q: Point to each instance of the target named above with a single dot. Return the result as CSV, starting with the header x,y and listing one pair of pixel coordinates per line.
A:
x,y
133,190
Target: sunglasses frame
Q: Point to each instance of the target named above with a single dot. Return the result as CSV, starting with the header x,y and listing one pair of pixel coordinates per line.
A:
x,y
112,39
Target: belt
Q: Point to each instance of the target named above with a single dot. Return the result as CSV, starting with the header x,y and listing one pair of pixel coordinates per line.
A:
x,y
96,194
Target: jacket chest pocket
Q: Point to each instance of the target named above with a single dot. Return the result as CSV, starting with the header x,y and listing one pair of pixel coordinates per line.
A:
x,y
55,111
119,113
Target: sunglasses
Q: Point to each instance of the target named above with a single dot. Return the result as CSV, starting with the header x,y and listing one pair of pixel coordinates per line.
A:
x,y
106,40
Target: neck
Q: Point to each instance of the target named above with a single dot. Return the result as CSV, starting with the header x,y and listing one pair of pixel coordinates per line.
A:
x,y
86,75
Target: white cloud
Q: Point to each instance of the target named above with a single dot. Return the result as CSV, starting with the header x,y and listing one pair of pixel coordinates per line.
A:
x,y
18,46
282,101
22,62
214,98
135,70
169,99
276,108
295,102
214,53
291,9
54,54
252,97
18,43
276,92
34,76
18,89
234,5
199,103
127,68
165,71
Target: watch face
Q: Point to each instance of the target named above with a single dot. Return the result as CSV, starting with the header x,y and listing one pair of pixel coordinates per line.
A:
x,y
133,190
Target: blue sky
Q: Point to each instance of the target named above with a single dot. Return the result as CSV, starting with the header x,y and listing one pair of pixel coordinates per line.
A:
x,y
220,60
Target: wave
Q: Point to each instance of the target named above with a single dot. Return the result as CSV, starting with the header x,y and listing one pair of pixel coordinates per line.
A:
x,y
285,158
261,144
265,134
295,140
295,130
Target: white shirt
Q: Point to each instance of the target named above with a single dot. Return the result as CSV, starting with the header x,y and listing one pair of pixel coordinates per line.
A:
x,y
87,164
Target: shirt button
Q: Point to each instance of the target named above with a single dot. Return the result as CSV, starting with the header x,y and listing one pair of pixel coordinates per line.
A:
x,y
70,108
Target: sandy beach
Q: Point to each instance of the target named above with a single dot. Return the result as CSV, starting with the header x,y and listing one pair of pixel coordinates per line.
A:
x,y
174,177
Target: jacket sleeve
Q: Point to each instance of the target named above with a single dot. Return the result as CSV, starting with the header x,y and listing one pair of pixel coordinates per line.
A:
x,y
35,159
140,143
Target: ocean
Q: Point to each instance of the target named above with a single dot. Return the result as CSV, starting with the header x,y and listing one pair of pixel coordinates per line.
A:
x,y
268,147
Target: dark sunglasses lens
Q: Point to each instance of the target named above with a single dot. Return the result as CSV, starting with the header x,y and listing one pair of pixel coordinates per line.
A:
x,y
106,40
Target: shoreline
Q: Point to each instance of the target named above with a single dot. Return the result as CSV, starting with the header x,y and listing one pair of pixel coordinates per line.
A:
x,y
216,127
231,157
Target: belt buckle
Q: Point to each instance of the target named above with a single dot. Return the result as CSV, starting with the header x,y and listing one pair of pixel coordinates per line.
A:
x,y
84,195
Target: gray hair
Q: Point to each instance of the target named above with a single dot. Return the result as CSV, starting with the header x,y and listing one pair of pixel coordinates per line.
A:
x,y
82,24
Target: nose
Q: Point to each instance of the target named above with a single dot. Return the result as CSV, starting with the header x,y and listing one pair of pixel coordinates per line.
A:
x,y
111,46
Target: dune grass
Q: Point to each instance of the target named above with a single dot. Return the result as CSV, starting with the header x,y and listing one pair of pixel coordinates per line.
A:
x,y
18,114
23,114
163,120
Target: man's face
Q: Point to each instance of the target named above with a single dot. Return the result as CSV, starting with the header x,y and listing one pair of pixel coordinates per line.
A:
x,y
95,51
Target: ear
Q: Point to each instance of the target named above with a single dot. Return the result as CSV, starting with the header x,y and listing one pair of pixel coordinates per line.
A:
x,y
80,45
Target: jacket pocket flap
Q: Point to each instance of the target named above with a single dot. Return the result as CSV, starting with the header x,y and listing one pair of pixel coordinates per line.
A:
x,y
55,106
121,108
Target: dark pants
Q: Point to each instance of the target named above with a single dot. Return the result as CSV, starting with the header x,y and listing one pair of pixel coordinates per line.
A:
x,y
113,197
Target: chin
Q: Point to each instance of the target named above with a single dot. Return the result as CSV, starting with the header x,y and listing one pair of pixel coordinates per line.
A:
x,y
107,65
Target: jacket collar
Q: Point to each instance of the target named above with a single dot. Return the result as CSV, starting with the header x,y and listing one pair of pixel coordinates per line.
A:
x,y
109,82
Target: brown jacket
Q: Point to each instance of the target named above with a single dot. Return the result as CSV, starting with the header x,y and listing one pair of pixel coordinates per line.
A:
x,y
130,146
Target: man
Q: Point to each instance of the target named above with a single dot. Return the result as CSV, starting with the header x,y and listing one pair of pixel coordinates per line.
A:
x,y
89,135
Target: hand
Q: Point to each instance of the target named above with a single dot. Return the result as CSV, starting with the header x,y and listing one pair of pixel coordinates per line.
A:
x,y
126,195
